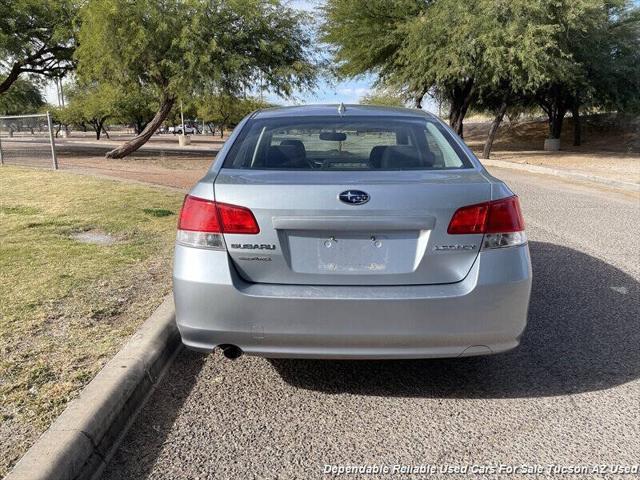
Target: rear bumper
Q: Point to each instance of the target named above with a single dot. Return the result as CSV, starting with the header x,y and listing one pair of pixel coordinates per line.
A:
x,y
485,313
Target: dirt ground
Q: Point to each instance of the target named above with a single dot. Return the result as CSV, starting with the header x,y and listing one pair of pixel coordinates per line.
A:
x,y
116,138
600,133
611,165
172,171
610,148
161,161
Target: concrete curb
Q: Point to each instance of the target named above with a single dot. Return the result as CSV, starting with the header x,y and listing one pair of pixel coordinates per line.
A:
x,y
83,438
572,174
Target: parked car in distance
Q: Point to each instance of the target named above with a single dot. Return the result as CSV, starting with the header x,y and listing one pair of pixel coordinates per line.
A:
x,y
350,232
188,129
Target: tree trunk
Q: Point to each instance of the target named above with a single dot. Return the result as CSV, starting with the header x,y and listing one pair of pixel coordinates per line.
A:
x,y
486,151
460,100
417,99
140,124
555,122
136,142
577,130
12,77
97,127
555,106
104,130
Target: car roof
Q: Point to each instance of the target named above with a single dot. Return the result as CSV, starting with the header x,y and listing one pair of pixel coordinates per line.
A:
x,y
332,109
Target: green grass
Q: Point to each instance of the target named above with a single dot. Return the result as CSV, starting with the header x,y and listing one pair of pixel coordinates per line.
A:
x,y
65,306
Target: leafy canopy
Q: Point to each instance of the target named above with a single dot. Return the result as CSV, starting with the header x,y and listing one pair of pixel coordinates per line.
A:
x,y
134,106
36,37
180,48
367,34
476,52
89,103
23,98
225,110
384,97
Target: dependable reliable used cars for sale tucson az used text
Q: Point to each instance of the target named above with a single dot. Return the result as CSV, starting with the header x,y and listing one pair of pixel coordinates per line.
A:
x,y
350,232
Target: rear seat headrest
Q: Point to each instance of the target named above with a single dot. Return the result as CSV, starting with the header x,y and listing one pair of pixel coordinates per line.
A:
x,y
375,157
404,156
286,156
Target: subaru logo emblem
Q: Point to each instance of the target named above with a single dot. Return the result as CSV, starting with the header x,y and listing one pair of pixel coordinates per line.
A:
x,y
354,197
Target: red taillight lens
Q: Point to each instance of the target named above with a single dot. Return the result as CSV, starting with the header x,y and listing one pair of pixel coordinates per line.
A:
x,y
200,215
471,219
505,216
498,216
236,219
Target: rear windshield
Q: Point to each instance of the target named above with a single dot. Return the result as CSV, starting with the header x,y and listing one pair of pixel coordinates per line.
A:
x,y
338,143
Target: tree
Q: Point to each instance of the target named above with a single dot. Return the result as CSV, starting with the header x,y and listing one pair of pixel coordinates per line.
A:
x,y
610,56
135,107
595,60
90,104
412,45
560,55
490,55
515,54
385,97
223,110
178,49
23,98
36,37
444,51
366,36
59,118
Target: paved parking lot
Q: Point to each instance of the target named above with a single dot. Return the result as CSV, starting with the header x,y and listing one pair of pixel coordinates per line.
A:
x,y
570,394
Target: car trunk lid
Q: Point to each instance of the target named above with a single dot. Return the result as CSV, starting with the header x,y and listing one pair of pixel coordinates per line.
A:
x,y
309,236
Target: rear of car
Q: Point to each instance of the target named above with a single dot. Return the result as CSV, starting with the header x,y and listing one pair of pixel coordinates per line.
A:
x,y
363,232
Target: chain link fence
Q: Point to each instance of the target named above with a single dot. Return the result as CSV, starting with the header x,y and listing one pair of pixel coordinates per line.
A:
x,y
27,140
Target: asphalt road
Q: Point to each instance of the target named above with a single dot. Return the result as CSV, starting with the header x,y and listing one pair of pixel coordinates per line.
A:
x,y
569,395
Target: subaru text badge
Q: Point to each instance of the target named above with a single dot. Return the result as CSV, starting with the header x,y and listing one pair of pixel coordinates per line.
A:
x,y
354,197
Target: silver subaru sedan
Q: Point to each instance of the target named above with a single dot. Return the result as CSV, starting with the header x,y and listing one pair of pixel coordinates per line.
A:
x,y
350,232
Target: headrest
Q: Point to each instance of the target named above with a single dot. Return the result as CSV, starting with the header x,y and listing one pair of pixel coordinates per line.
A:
x,y
375,157
286,156
295,142
404,156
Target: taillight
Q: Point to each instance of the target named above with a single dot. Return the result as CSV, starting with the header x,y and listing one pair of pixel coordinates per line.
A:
x,y
202,222
236,219
199,215
471,219
500,220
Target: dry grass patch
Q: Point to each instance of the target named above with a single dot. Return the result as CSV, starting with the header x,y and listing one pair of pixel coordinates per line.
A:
x,y
67,306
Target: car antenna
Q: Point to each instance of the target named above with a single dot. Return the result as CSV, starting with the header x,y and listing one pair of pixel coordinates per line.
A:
x,y
341,108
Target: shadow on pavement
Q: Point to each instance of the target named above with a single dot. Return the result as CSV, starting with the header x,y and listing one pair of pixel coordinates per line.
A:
x,y
156,419
583,335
